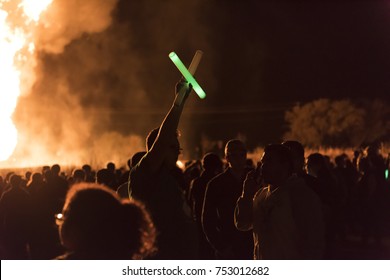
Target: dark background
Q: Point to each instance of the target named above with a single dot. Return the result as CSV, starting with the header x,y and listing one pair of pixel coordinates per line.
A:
x,y
262,57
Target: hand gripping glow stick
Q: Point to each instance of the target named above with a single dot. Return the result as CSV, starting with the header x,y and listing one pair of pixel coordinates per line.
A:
x,y
187,74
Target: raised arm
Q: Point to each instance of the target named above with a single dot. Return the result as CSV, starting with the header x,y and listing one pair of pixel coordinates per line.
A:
x,y
167,136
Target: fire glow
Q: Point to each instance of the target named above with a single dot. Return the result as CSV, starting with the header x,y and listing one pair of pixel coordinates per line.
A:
x,y
16,45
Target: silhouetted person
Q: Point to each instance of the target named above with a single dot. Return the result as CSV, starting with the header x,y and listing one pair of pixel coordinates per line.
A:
x,y
123,189
96,224
27,175
2,185
331,198
219,203
44,243
112,170
124,176
15,220
136,158
212,166
152,182
318,168
36,183
373,195
45,168
7,180
104,177
89,176
47,201
111,167
58,185
78,176
298,154
192,170
344,183
284,213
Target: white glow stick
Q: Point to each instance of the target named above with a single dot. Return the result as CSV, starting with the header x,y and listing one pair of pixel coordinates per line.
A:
x,y
195,62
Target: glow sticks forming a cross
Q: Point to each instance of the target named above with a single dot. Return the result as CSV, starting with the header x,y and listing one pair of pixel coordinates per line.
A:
x,y
188,73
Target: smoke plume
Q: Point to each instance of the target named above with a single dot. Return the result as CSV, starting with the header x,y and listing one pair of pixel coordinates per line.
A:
x,y
102,78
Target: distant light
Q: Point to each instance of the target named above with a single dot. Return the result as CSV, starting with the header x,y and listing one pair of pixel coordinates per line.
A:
x,y
387,174
180,164
187,75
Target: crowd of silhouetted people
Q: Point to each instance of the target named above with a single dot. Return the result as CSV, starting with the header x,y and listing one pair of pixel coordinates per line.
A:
x,y
283,206
353,193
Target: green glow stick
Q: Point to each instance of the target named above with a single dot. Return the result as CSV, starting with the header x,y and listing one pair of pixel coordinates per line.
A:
x,y
187,75
387,174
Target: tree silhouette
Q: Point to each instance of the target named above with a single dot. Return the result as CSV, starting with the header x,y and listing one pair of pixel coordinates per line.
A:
x,y
338,123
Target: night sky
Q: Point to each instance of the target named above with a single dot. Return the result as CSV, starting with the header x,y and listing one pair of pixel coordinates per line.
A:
x,y
260,59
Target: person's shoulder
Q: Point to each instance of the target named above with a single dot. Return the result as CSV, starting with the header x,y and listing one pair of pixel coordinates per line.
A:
x,y
123,190
140,169
220,178
6,192
299,187
195,183
261,193
309,179
295,185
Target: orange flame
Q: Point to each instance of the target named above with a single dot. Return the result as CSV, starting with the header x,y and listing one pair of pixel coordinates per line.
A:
x,y
15,36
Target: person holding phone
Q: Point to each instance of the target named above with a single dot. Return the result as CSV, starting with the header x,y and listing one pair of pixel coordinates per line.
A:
x,y
283,212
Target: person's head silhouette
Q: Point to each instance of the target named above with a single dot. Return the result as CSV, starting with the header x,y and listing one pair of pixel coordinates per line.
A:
x,y
97,224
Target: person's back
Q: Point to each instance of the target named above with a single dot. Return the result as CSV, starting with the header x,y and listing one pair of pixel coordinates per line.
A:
x,y
373,197
36,183
172,216
89,177
58,185
105,177
152,182
123,189
212,166
47,199
15,220
327,184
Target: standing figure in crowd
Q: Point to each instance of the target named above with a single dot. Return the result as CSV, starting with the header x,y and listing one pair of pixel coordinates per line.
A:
x,y
212,166
285,214
373,195
298,155
123,189
44,242
15,220
154,182
219,203
330,196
